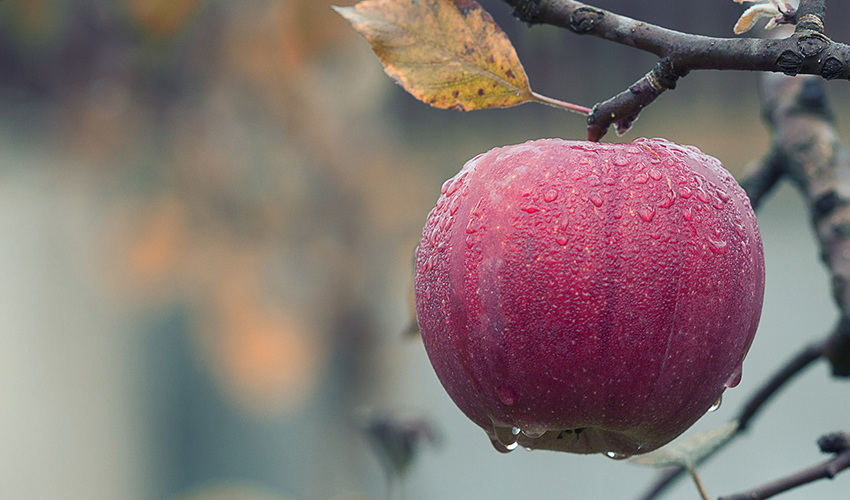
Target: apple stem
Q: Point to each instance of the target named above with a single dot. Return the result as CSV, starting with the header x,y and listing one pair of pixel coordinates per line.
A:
x,y
555,103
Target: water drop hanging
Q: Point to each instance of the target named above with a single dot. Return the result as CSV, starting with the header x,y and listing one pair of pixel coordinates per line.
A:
x,y
506,435
716,404
533,431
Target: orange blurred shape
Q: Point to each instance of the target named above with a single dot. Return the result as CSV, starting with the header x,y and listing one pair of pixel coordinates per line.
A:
x,y
313,27
163,18
276,42
155,251
32,12
268,361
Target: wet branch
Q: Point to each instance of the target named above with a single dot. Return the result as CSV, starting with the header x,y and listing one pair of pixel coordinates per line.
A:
x,y
806,149
807,51
837,443
754,404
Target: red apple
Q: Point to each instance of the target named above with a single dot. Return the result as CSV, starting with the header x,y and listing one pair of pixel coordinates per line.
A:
x,y
588,297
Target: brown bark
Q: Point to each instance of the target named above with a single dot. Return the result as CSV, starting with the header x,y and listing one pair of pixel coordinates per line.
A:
x,y
807,51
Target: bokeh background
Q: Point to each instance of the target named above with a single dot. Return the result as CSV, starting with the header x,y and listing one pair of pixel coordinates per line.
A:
x,y
208,211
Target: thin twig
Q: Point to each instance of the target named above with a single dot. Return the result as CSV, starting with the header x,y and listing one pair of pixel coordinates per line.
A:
x,y
756,402
805,148
701,487
826,470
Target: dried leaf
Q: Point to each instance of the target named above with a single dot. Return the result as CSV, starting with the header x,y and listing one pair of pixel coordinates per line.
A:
x,y
688,452
447,53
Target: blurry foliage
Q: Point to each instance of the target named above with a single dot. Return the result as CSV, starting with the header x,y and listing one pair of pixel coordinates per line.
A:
x,y
237,177
162,18
31,23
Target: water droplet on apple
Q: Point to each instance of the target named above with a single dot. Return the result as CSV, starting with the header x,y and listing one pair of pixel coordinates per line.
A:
x,y
735,378
501,448
717,203
668,200
685,192
596,199
687,214
455,204
716,404
641,178
616,456
450,190
550,196
620,161
478,210
717,246
506,436
533,431
507,395
646,213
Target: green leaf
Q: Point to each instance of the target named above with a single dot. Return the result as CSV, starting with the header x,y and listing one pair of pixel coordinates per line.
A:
x,y
688,452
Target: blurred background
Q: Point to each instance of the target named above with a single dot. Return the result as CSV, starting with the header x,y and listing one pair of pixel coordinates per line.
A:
x,y
208,211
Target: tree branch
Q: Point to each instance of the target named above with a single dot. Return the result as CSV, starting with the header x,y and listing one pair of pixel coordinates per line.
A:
x,y
837,443
807,51
805,147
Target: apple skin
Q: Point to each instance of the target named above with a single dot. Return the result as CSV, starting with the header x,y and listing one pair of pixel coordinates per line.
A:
x,y
589,297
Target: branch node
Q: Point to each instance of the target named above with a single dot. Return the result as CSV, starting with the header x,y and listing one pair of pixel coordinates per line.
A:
x,y
790,62
832,68
812,43
834,442
810,22
527,11
585,19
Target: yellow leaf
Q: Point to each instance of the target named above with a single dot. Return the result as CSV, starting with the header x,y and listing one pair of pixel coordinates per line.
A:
x,y
447,53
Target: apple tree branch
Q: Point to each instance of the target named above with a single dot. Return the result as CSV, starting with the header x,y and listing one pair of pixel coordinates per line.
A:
x,y
807,51
837,443
806,149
